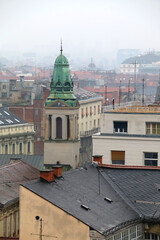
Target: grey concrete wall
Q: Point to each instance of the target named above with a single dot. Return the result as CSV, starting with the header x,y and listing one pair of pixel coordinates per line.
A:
x,y
85,150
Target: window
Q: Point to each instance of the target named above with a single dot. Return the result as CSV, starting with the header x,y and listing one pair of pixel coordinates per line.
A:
x,y
35,128
91,111
82,113
20,148
29,147
98,122
99,109
94,123
13,148
59,127
6,149
36,112
150,158
153,128
94,110
4,86
118,157
120,126
4,94
87,112
9,225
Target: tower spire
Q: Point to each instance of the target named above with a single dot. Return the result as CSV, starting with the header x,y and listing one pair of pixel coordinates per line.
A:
x,y
61,50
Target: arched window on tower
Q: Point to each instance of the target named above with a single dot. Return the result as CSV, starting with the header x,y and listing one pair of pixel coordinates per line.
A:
x,y
58,127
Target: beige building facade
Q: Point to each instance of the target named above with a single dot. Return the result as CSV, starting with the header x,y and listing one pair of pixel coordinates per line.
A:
x,y
16,135
61,136
56,223
129,136
89,116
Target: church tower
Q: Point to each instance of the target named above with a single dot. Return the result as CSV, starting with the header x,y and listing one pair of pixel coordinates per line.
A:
x,y
61,111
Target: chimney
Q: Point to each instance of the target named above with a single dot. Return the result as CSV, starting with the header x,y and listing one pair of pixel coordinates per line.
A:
x,y
57,171
98,159
47,175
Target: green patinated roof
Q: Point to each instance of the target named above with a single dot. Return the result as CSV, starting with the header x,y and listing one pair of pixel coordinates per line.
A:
x,y
61,84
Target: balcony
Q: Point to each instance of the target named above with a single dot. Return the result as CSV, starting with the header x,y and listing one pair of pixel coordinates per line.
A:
x,y
89,132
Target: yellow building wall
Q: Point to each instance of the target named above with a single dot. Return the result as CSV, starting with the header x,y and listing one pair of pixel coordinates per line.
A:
x,y
91,120
15,135
55,222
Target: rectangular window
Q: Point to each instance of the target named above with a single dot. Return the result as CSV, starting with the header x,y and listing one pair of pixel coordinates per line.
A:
x,y
120,126
91,111
4,94
99,110
29,147
150,158
20,148
13,148
94,110
153,128
94,123
82,113
87,112
4,86
6,149
118,157
14,224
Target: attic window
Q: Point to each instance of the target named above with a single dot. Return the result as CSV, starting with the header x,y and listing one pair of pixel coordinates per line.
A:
x,y
17,120
7,113
9,121
108,200
85,207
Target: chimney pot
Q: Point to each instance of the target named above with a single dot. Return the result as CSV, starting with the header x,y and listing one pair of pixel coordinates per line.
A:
x,y
47,175
57,170
98,159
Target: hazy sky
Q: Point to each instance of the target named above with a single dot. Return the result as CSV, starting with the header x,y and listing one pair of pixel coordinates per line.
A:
x,y
88,28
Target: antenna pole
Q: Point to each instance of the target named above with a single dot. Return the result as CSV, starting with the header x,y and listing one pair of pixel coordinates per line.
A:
x,y
120,93
143,91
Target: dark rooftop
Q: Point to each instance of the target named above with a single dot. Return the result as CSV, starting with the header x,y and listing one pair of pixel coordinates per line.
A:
x,y
11,176
78,194
9,118
83,94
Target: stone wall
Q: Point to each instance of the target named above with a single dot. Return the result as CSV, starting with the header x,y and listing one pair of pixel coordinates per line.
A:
x,y
85,155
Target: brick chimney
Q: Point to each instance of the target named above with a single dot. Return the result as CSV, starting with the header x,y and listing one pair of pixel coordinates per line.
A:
x,y
47,175
98,159
57,170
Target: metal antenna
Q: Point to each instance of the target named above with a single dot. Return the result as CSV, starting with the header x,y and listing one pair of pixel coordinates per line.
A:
x,y
61,50
143,91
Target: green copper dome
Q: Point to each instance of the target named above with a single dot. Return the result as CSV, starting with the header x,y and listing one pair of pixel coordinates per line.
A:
x,y
61,84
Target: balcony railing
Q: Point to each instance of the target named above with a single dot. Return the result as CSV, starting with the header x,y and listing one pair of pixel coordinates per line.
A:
x,y
89,132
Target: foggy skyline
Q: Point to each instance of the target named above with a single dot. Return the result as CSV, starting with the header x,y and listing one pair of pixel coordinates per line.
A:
x,y
91,28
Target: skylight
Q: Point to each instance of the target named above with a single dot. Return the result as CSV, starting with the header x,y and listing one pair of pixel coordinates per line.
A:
x,y
108,199
1,122
7,113
9,120
16,120
85,207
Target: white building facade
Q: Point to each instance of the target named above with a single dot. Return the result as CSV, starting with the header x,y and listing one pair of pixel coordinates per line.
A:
x,y
129,137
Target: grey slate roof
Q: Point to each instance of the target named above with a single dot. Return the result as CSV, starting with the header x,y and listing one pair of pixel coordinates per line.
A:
x,y
80,187
82,94
138,185
9,118
10,178
36,161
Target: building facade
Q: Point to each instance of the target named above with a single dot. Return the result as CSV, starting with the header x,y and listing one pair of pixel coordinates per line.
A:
x,y
129,136
16,135
11,176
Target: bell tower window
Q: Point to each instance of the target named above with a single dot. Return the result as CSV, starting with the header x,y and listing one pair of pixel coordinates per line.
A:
x,y
59,127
